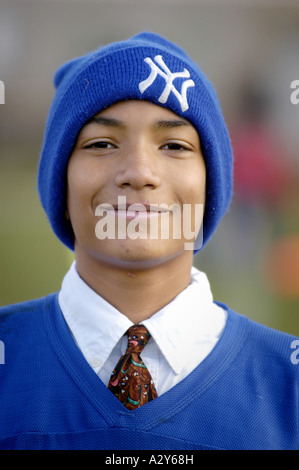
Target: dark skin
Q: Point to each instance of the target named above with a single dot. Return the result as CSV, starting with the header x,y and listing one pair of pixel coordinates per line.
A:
x,y
153,160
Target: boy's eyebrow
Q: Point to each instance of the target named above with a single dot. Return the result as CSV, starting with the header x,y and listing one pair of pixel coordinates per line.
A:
x,y
168,124
103,121
160,124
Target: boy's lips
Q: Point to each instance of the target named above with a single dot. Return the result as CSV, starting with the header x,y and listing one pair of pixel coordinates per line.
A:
x,y
139,207
135,209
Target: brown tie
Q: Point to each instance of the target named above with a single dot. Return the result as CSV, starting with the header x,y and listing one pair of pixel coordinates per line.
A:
x,y
131,381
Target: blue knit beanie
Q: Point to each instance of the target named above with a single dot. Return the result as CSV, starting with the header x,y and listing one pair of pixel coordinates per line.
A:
x,y
144,67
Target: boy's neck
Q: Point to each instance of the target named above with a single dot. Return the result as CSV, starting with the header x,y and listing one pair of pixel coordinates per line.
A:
x,y
137,293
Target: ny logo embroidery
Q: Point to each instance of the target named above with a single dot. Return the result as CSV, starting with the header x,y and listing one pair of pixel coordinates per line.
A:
x,y
169,78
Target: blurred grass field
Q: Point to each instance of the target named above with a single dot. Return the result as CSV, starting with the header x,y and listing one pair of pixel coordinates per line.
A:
x,y
32,261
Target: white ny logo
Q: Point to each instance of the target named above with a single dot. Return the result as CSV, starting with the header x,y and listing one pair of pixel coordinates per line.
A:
x,y
169,78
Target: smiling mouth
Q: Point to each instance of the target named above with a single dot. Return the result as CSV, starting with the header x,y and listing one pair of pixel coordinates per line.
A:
x,y
140,210
155,221
135,209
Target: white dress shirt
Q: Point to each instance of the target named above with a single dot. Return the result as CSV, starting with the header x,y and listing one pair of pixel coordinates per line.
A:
x,y
183,332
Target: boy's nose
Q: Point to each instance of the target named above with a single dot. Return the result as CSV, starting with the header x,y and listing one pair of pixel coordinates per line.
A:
x,y
139,170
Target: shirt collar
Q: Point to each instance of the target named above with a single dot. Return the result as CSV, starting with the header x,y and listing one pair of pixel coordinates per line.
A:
x,y
190,318
97,326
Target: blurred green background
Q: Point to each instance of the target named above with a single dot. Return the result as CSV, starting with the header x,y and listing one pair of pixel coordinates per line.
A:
x,y
250,51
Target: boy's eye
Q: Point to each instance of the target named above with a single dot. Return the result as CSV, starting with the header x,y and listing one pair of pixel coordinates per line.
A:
x,y
174,146
101,144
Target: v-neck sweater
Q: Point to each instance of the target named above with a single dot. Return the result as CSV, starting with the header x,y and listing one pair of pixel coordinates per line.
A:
x,y
243,395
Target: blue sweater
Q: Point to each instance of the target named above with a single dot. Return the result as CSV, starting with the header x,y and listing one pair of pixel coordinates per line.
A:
x,y
244,395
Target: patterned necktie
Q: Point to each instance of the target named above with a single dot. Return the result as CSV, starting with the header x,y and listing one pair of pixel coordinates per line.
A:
x,y
131,381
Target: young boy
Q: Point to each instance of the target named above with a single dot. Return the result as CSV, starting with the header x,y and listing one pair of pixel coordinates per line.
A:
x,y
133,353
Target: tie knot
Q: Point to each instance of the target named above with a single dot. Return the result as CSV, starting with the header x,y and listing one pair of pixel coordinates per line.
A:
x,y
138,337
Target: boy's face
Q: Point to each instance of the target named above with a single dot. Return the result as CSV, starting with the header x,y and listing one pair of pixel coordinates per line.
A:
x,y
149,156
